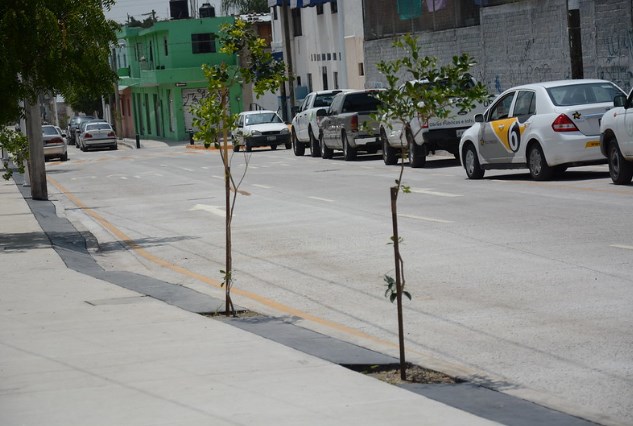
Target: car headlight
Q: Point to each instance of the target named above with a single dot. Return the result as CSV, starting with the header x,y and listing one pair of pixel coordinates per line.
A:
x,y
256,133
284,131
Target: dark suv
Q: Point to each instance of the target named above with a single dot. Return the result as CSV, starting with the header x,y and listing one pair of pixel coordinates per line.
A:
x,y
73,127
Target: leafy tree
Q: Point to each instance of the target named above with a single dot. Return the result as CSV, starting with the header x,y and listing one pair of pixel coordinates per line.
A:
x,y
215,120
245,6
56,46
418,89
17,146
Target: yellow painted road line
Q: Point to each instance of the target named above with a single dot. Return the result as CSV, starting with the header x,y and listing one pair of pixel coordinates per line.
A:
x,y
280,307
621,246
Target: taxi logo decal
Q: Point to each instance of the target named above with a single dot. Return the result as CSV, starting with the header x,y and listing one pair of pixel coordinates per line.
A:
x,y
592,144
577,115
508,131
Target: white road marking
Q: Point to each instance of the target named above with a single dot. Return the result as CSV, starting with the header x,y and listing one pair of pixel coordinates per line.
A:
x,y
262,186
218,211
205,167
621,246
436,193
218,177
322,199
124,177
428,219
186,169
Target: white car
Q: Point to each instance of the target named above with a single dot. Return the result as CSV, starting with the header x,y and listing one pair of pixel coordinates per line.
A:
x,y
616,139
55,144
305,125
260,128
97,134
545,127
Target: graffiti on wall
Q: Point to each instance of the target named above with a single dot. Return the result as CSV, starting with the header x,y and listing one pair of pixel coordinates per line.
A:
x,y
617,66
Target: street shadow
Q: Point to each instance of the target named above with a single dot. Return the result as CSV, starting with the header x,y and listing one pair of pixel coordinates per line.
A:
x,y
141,243
21,242
567,176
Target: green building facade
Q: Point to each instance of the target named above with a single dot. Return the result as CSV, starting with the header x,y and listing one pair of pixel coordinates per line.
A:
x,y
160,75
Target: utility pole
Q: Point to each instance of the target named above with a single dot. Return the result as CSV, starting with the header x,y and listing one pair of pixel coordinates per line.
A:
x,y
575,43
37,169
284,12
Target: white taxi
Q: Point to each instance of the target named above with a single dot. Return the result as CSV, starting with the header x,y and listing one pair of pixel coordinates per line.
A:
x,y
545,127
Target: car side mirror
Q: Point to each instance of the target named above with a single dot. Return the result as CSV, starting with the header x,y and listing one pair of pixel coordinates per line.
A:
x,y
619,101
479,118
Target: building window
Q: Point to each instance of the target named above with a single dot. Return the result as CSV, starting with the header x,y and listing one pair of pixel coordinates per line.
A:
x,y
296,21
361,69
324,73
298,80
329,56
333,7
275,13
336,80
319,9
309,82
166,46
203,43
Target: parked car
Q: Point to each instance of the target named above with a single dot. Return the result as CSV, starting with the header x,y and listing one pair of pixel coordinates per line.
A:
x,y
260,128
97,134
347,125
616,139
55,145
423,138
73,127
546,127
305,125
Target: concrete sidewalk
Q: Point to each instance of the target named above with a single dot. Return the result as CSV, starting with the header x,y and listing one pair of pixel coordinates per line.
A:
x,y
78,350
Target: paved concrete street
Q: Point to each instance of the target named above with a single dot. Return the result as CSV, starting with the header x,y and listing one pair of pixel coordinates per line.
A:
x,y
519,285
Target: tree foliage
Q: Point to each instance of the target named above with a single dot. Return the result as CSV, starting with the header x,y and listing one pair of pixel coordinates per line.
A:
x,y
245,6
418,89
17,146
58,46
215,121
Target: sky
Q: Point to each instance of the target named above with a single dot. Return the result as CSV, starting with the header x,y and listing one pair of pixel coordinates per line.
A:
x,y
137,8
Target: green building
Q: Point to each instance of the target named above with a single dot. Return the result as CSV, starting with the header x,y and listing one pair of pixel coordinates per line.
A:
x,y
160,75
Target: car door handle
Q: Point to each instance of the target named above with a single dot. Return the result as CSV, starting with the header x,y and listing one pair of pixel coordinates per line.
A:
x,y
502,126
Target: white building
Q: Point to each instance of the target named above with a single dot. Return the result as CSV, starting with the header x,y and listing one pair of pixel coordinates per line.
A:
x,y
322,55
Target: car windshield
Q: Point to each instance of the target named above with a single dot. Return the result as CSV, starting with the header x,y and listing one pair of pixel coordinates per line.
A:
x,y
265,117
360,102
581,94
49,131
98,126
324,99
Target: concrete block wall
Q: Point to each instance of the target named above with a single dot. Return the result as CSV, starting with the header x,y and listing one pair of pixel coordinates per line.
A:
x,y
527,41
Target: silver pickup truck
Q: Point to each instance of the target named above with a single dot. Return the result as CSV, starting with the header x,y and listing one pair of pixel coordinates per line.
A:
x,y
347,125
305,127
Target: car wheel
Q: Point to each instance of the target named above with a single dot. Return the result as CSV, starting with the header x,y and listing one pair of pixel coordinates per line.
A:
x,y
471,163
539,170
315,148
248,147
83,147
297,147
273,147
417,153
114,147
325,151
389,155
621,171
64,157
349,153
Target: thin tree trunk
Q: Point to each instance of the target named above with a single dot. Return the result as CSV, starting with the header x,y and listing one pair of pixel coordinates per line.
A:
x,y
228,271
396,254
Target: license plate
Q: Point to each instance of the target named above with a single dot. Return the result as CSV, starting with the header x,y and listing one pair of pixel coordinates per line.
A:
x,y
271,138
459,132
